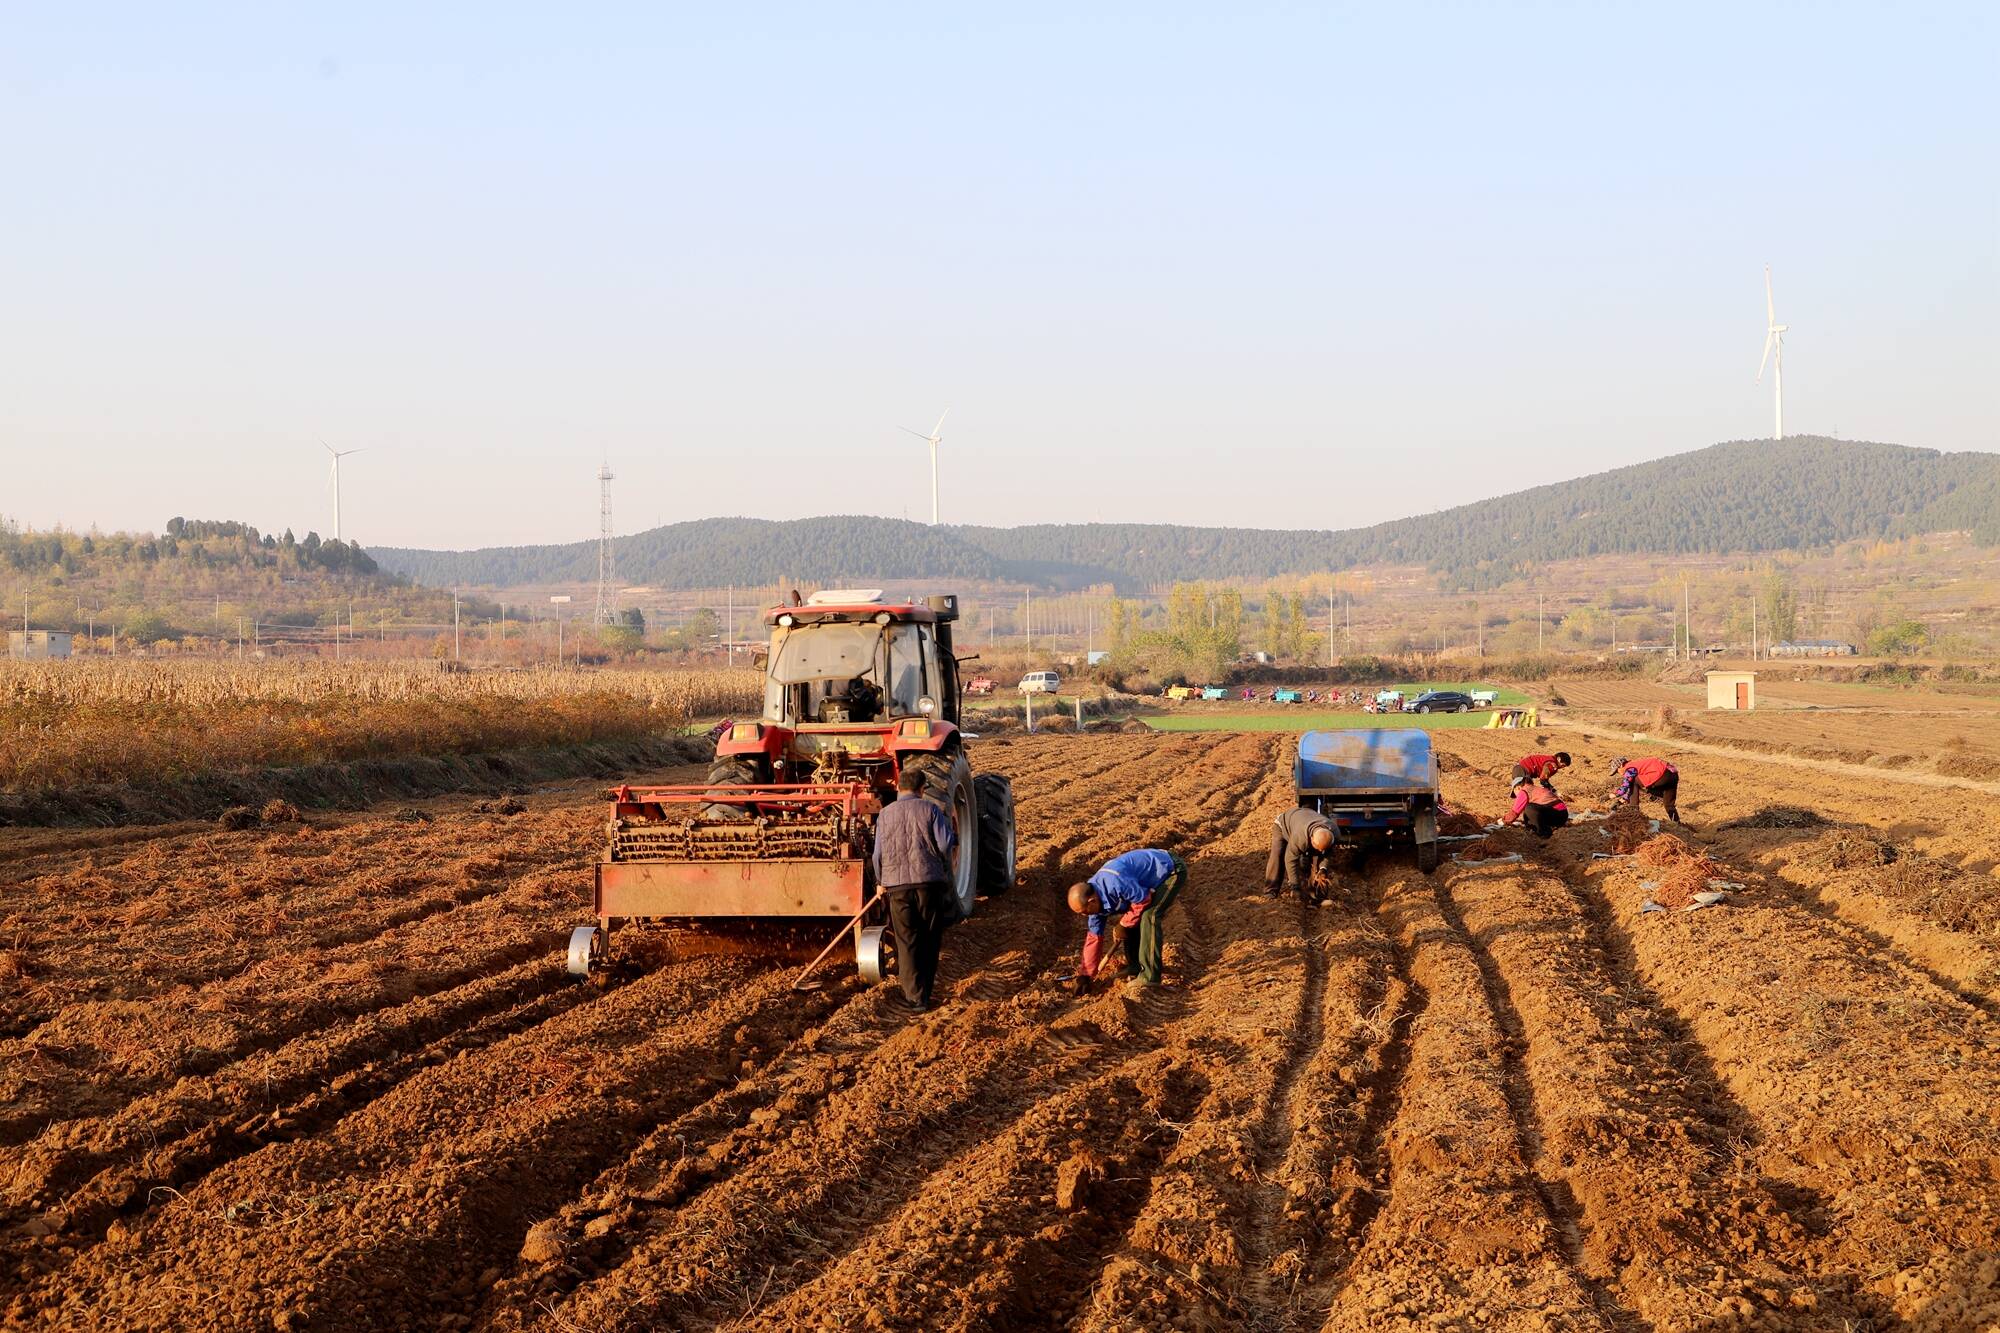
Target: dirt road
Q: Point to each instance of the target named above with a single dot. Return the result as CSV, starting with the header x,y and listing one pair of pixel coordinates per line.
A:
x,y
326,1075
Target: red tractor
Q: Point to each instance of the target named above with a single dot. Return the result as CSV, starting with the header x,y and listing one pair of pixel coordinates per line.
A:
x,y
856,690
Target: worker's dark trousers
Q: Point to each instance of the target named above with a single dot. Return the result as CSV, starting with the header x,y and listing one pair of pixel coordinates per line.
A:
x,y
1542,820
1145,948
918,913
1668,790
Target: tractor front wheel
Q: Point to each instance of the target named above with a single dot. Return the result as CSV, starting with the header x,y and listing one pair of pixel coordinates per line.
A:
x,y
735,771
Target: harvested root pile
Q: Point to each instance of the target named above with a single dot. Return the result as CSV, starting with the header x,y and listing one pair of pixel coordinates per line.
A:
x,y
1688,871
1848,850
1459,824
1448,762
1778,816
1955,899
1628,826
1482,849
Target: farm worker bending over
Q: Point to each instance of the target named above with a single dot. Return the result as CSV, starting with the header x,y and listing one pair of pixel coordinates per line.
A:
x,y
1538,808
1539,768
1649,777
1300,839
913,842
1132,890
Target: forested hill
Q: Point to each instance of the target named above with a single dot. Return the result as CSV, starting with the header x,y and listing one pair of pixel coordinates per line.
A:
x,y
1747,495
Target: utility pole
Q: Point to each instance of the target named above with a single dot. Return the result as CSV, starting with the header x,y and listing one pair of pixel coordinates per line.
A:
x,y
606,612
1538,622
454,625
1687,618
1753,626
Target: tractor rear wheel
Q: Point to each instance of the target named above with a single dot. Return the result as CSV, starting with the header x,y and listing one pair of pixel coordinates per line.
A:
x,y
948,781
735,771
996,833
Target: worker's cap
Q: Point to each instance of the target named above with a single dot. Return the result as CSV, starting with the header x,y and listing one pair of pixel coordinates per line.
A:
x,y
1619,762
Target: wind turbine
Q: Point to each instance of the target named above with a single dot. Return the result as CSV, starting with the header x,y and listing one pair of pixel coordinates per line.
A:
x,y
338,454
933,439
1774,351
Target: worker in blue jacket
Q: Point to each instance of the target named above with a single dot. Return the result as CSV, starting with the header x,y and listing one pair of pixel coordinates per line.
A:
x,y
1130,893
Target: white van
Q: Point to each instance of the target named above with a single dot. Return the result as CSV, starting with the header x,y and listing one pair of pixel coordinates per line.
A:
x,y
1040,682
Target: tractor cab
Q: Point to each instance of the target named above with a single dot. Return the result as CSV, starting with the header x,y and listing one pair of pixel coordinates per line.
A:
x,y
853,681
847,657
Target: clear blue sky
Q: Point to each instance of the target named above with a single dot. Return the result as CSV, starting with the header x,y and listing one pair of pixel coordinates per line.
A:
x,y
1285,265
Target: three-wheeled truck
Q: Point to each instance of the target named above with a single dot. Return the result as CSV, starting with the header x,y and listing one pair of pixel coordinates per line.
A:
x,y
1378,785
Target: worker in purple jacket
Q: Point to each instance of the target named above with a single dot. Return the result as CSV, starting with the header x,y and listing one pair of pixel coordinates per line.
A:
x,y
1130,893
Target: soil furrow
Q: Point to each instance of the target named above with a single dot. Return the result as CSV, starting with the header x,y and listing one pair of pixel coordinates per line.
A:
x,y
1464,1233
876,1174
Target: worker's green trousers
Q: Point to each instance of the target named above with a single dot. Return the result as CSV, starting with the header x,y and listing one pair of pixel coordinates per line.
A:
x,y
1144,952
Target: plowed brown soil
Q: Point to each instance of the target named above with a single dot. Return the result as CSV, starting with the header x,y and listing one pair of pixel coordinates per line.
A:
x,y
326,1074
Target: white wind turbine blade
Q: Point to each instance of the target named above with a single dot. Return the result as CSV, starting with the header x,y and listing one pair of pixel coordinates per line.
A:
x,y
1769,338
935,435
919,434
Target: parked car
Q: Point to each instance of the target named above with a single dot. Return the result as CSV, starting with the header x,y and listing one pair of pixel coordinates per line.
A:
x,y
979,685
1439,701
1040,682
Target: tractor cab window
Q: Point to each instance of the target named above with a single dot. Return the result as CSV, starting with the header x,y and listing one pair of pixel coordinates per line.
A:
x,y
829,672
909,656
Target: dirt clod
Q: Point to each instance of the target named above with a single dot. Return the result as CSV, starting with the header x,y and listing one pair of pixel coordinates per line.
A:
x,y
543,1243
1077,1179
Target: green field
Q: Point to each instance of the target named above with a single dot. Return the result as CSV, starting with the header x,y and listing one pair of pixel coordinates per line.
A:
x,y
1305,719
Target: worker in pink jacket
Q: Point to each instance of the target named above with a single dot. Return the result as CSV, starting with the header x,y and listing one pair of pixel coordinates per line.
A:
x,y
1538,809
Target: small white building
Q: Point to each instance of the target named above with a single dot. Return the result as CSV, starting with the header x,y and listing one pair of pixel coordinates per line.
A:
x,y
1732,689
38,645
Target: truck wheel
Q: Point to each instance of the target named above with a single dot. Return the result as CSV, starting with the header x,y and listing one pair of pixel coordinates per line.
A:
x,y
1425,831
996,833
948,781
735,771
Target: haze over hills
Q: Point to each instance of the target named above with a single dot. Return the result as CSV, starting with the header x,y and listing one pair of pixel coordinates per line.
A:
x,y
1745,495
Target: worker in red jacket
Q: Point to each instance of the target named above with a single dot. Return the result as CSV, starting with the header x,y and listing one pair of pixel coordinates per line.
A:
x,y
1649,777
1538,768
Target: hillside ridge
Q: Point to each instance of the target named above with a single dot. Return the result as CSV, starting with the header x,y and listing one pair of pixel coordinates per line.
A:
x,y
1744,495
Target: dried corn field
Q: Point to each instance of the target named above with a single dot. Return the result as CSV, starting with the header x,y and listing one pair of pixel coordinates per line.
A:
x,y
125,722
326,1075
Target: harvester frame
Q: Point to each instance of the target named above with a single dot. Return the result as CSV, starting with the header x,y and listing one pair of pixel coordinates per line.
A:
x,y
783,829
